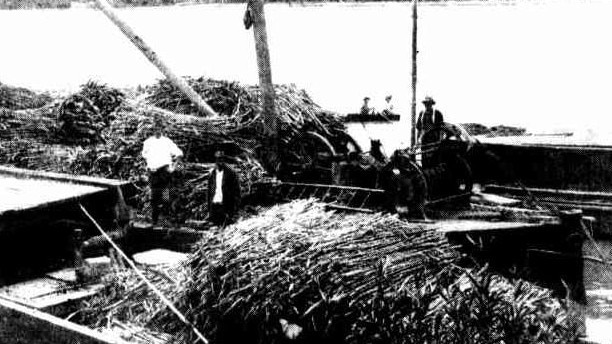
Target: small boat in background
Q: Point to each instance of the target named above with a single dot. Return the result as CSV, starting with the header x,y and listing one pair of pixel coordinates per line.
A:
x,y
377,117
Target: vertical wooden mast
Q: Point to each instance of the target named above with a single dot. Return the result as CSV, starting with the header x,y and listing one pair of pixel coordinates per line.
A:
x,y
413,137
256,8
177,81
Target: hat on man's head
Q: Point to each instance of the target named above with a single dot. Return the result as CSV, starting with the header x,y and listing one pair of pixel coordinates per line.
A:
x,y
366,98
429,100
388,97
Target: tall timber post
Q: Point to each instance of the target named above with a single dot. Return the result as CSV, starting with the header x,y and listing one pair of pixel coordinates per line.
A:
x,y
413,138
255,16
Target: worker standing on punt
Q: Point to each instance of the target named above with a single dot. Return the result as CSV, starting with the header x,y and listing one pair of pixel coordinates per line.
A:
x,y
223,192
428,133
162,156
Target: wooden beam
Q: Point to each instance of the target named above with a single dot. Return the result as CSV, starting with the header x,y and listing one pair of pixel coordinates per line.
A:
x,y
466,226
62,177
415,51
256,8
338,187
177,81
348,209
20,325
568,194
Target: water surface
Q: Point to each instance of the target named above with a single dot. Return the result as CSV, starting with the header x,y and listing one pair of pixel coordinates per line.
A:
x,y
544,65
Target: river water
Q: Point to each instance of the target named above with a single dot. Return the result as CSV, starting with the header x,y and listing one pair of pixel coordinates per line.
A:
x,y
544,65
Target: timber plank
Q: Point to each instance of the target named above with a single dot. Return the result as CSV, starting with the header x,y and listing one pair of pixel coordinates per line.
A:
x,y
23,325
20,193
457,226
60,177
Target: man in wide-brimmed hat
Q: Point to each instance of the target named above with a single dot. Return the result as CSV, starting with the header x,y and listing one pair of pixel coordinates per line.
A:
x,y
429,119
428,125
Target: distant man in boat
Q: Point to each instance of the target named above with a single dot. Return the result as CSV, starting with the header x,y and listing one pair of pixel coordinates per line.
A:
x,y
366,109
429,119
388,110
223,192
162,156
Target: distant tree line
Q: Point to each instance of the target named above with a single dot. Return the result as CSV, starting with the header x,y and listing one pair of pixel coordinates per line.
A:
x,y
31,4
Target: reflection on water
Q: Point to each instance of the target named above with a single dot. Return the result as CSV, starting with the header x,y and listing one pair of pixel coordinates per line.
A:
x,y
539,64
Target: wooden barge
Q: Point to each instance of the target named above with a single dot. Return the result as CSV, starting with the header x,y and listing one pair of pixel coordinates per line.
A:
x,y
41,271
32,314
565,176
378,117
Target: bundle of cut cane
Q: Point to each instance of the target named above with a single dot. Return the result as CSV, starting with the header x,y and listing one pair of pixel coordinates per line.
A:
x,y
302,264
19,98
126,298
26,153
85,114
241,123
196,136
482,307
240,106
105,98
297,271
33,124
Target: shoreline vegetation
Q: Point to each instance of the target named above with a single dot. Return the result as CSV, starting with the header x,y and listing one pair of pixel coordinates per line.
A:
x,y
65,4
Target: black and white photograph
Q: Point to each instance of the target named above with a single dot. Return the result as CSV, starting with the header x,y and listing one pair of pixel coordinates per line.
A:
x,y
305,172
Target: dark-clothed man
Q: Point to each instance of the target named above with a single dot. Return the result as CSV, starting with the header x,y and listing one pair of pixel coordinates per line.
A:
x,y
223,192
429,119
161,155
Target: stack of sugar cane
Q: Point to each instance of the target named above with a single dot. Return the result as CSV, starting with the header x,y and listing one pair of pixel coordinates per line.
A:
x,y
239,106
33,124
110,127
302,264
297,273
19,98
25,153
83,115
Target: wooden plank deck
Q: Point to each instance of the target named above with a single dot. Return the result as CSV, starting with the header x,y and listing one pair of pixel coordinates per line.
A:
x,y
23,325
24,193
23,189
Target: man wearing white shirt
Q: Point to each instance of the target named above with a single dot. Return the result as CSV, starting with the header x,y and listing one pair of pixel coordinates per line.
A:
x,y
161,155
388,110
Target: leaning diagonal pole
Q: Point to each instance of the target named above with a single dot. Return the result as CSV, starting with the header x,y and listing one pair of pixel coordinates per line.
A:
x,y
177,81
146,281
